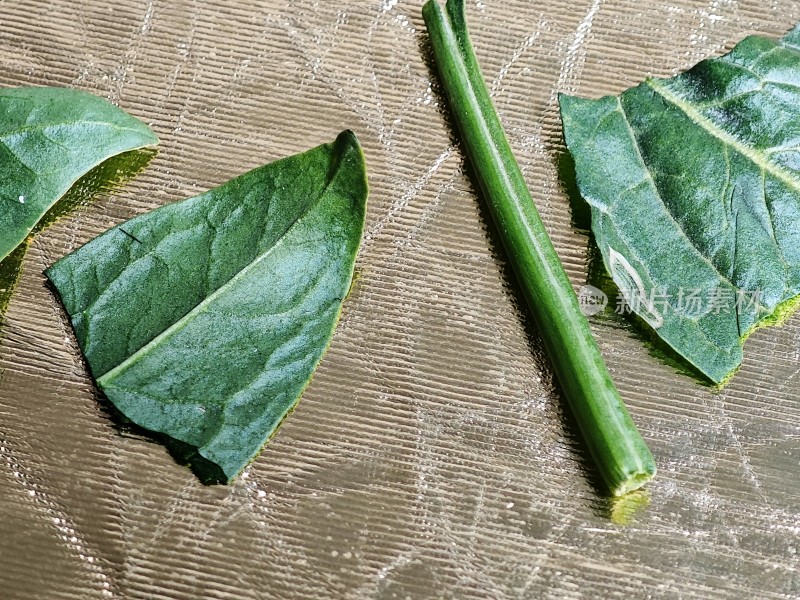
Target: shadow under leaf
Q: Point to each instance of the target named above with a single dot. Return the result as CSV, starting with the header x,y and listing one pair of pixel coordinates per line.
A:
x,y
10,271
107,177
184,454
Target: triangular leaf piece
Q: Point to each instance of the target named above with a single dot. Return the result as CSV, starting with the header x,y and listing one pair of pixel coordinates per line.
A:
x,y
49,138
205,319
694,184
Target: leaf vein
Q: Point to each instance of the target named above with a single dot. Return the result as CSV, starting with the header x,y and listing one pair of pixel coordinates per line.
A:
x,y
726,138
185,319
664,204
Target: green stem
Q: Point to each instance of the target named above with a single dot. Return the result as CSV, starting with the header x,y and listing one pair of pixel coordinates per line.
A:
x,y
621,455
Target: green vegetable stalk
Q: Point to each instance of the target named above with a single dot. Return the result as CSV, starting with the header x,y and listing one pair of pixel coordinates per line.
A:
x,y
615,444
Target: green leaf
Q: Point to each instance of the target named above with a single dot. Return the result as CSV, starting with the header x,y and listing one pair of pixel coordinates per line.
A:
x,y
49,138
205,319
694,184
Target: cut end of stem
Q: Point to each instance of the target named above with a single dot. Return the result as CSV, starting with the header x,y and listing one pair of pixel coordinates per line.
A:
x,y
633,482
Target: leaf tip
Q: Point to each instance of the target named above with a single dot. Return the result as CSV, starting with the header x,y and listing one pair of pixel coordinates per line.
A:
x,y
347,138
565,101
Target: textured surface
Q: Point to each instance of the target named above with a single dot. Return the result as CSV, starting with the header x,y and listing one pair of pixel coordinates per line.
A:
x,y
694,184
430,457
206,318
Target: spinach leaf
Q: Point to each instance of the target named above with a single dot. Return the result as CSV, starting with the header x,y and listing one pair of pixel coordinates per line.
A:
x,y
49,138
205,319
694,184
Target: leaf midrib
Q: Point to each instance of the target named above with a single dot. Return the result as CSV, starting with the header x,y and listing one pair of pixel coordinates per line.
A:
x,y
649,178
153,139
149,138
651,181
757,158
197,309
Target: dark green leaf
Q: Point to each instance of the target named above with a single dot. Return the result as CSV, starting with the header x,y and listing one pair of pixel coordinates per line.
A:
x,y
49,138
694,184
205,319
